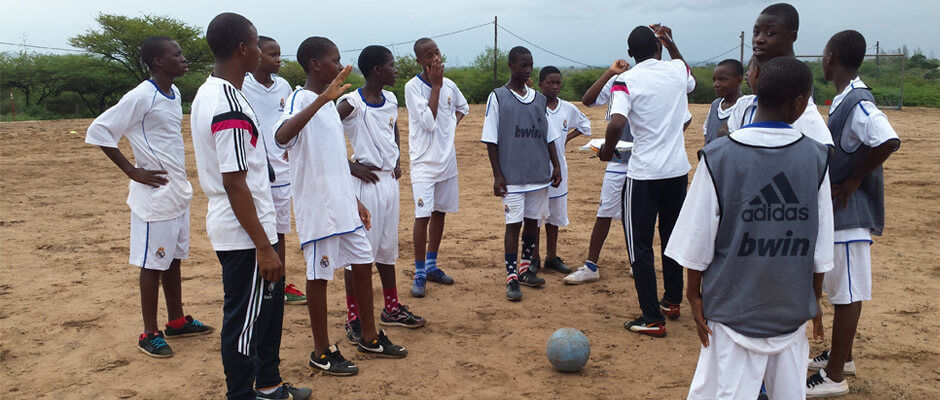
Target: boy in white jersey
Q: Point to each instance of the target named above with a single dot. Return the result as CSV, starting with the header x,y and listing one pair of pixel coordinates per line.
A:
x,y
726,80
435,107
370,119
863,141
331,222
569,123
267,94
150,116
524,162
235,175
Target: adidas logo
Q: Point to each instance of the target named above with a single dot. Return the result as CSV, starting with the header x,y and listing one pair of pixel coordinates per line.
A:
x,y
776,202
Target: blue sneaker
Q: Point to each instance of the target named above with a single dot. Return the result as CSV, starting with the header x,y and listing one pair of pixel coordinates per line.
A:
x,y
438,276
418,287
153,345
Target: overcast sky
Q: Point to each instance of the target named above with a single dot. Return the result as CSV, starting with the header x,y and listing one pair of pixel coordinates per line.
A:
x,y
588,31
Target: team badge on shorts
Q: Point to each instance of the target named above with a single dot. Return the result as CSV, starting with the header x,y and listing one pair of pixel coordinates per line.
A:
x,y
325,262
420,203
506,208
160,253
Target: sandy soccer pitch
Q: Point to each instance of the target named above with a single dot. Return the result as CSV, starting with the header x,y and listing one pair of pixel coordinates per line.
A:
x,y
70,313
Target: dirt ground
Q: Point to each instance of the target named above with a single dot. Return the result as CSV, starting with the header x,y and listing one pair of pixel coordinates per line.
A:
x,y
70,314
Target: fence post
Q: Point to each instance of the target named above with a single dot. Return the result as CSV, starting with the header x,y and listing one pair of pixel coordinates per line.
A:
x,y
495,49
901,97
742,48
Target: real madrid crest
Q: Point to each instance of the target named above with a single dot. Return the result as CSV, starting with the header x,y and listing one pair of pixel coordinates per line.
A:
x,y
160,253
325,262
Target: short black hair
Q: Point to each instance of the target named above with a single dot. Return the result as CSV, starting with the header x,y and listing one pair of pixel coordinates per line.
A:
x,y
546,71
848,47
152,47
781,80
786,13
419,43
371,57
264,39
313,48
736,67
516,52
225,32
642,43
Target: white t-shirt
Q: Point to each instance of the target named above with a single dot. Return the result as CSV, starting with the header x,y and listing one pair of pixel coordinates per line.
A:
x,y
653,97
431,140
869,126
321,186
602,99
562,119
491,132
269,103
226,139
152,123
810,122
723,113
692,243
371,129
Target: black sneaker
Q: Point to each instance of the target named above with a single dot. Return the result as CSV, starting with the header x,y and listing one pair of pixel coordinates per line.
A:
x,y
192,327
153,345
332,363
400,317
438,276
513,293
382,347
557,264
529,278
285,392
353,331
535,265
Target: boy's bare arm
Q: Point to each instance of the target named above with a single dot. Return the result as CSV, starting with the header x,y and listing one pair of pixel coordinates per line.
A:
x,y
435,73
694,294
398,144
344,109
243,205
292,126
877,156
612,136
459,116
556,169
571,135
499,182
616,68
664,34
154,178
818,332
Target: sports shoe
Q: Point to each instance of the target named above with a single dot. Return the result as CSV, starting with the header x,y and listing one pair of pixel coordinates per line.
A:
x,y
353,331
529,278
557,264
285,392
418,287
401,317
192,327
630,271
535,265
438,276
153,345
292,295
822,360
670,310
332,363
583,275
381,347
513,293
639,325
819,385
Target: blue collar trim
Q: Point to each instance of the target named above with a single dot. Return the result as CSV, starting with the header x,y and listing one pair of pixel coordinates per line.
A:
x,y
769,124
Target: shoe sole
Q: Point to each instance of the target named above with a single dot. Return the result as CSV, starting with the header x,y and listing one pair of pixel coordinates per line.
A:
x,y
655,335
844,372
817,396
379,355
154,355
321,371
190,334
401,324
295,302
514,299
532,284
442,283
580,282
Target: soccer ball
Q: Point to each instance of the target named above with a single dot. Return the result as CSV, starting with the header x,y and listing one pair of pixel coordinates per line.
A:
x,y
568,349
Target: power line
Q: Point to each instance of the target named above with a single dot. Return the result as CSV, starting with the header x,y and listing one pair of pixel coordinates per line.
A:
x,y
716,57
42,47
546,50
430,37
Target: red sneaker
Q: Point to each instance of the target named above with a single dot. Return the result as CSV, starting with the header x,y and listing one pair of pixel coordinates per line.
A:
x,y
639,325
670,310
292,295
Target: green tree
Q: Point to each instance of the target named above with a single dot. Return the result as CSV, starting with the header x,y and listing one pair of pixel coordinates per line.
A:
x,y
119,39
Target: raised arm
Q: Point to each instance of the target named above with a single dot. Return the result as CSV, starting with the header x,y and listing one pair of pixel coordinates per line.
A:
x,y
292,126
616,68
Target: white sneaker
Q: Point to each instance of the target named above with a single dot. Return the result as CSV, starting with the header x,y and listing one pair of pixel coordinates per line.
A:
x,y
583,275
630,271
819,385
822,360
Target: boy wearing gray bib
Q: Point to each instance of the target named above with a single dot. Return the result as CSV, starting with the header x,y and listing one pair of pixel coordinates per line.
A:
x,y
753,236
521,152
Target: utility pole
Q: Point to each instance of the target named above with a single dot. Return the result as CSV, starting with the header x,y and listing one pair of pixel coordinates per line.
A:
x,y
742,48
877,50
495,49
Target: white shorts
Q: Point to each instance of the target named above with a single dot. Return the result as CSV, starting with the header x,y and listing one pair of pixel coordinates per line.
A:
x,y
612,196
381,199
281,197
557,211
530,205
443,196
335,252
849,280
155,244
727,370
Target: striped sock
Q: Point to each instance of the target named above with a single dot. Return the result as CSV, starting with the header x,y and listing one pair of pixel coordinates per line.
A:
x,y
511,267
592,266
528,249
420,272
430,261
